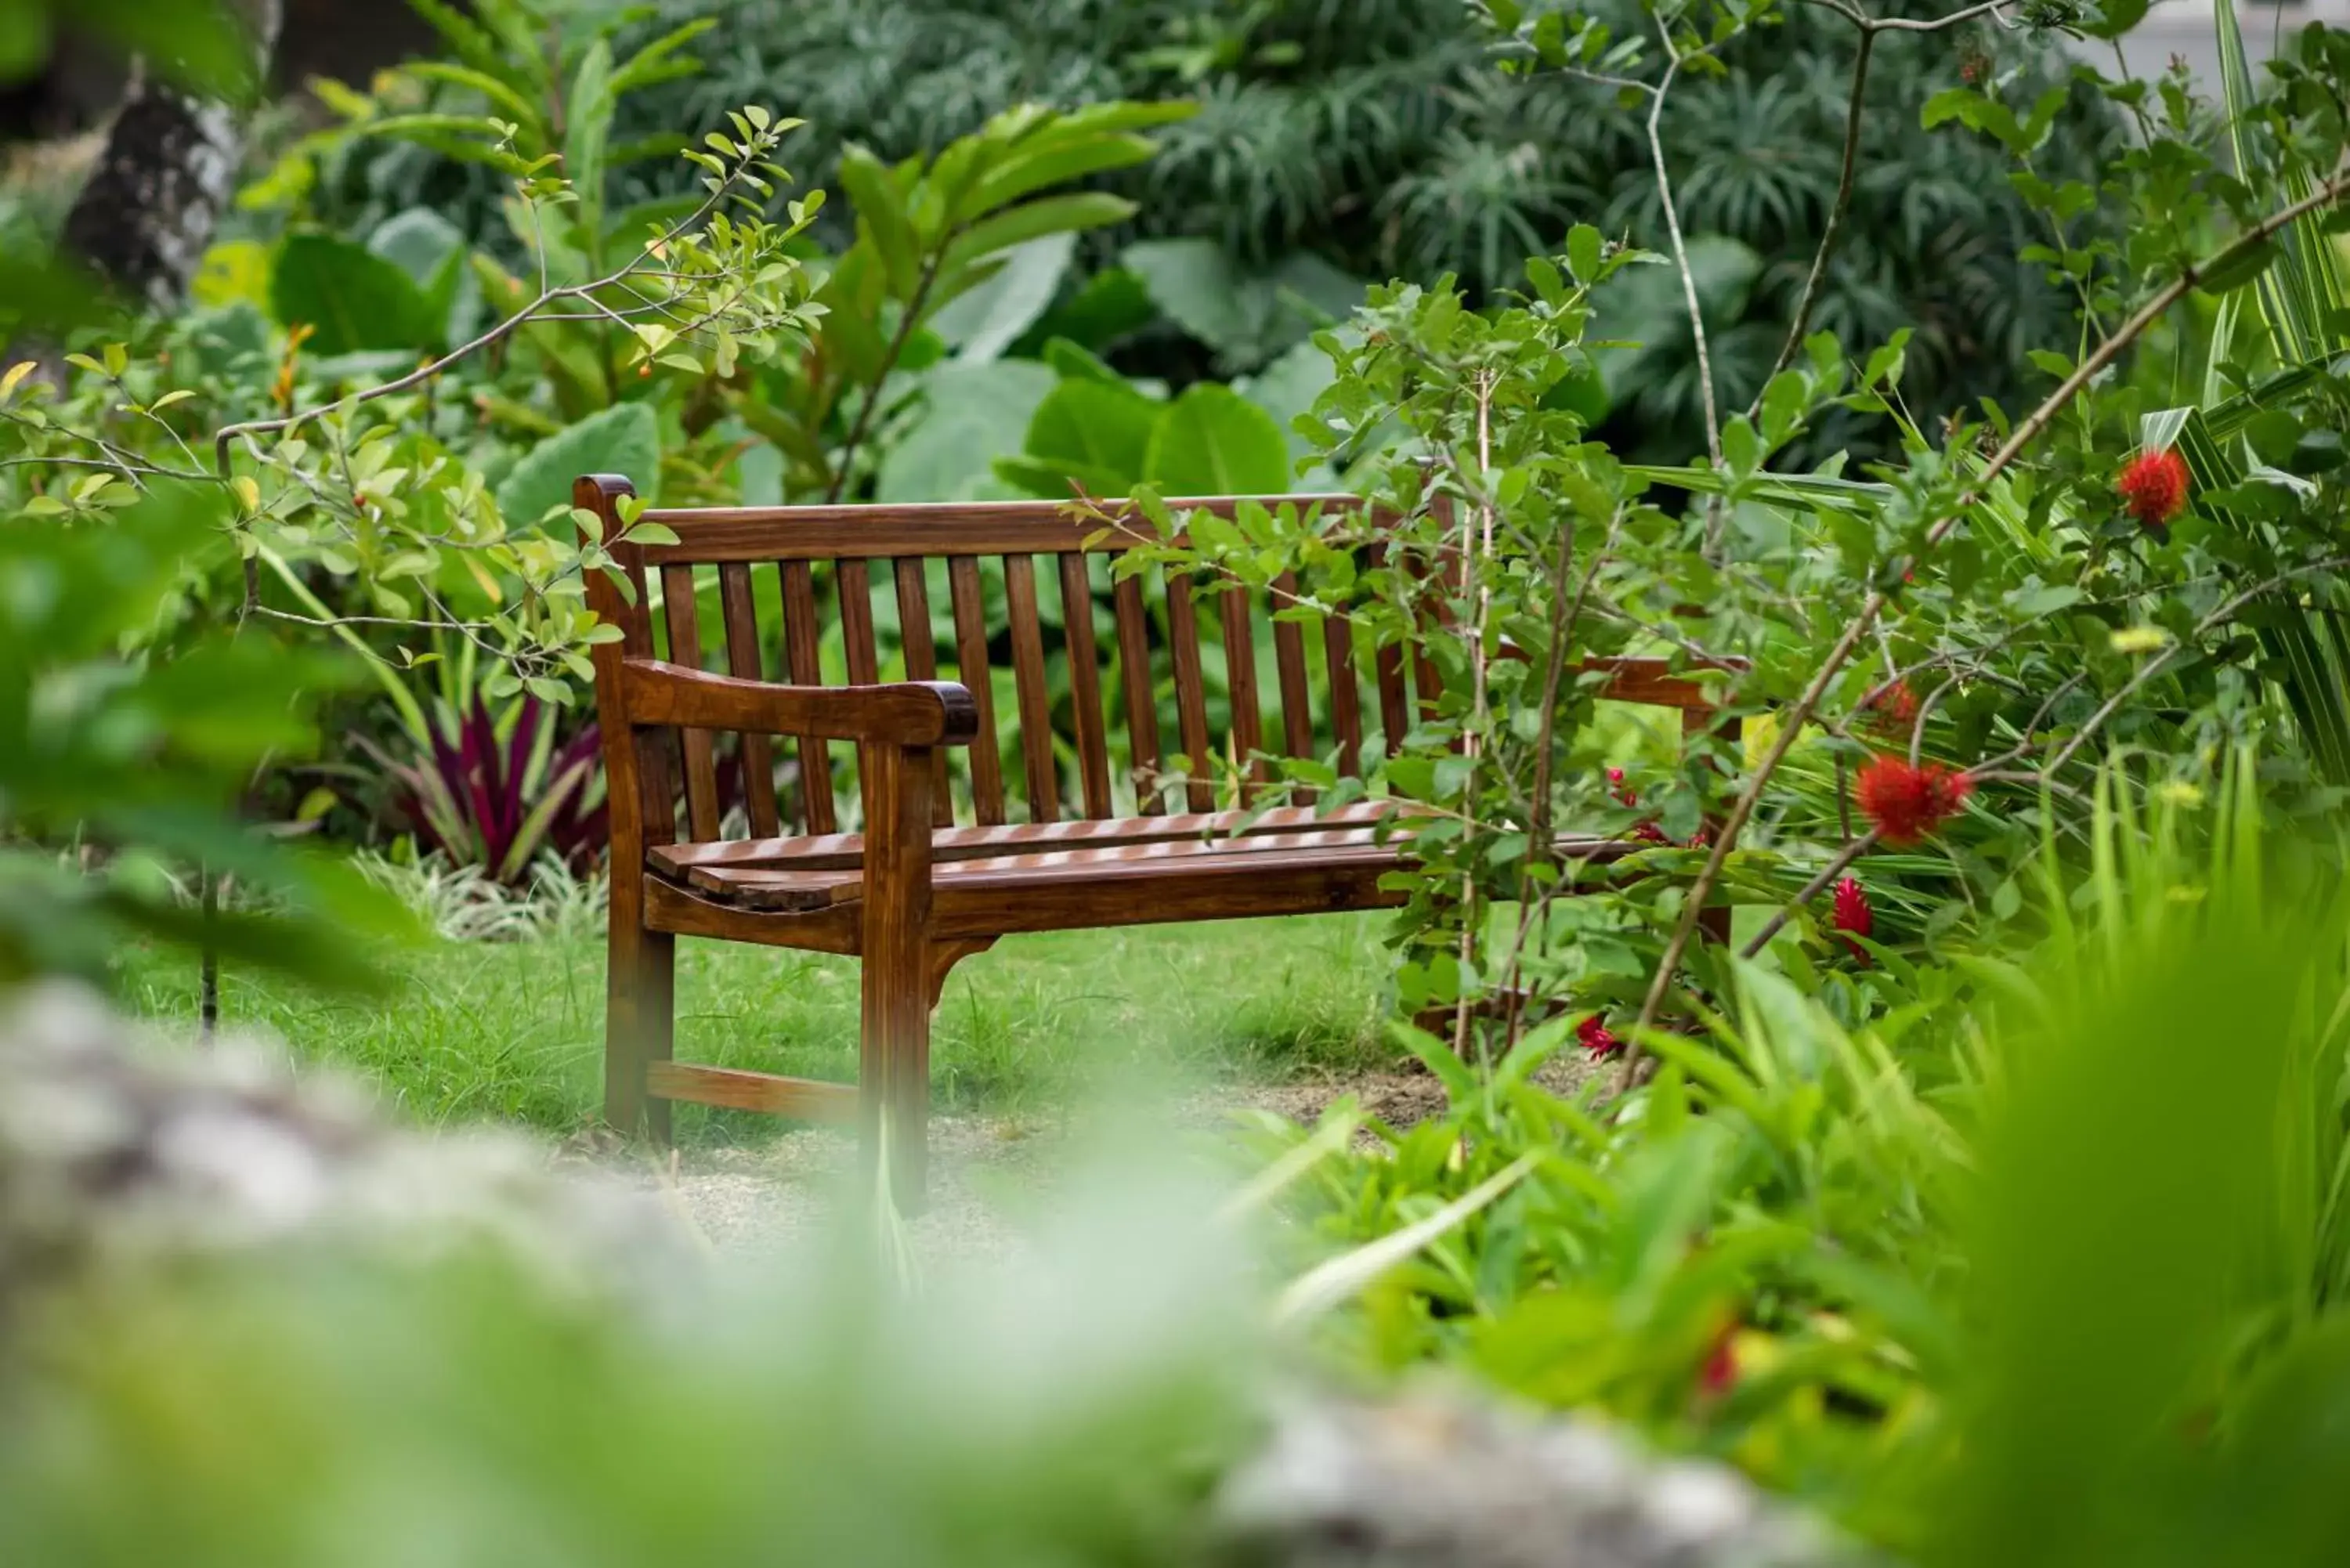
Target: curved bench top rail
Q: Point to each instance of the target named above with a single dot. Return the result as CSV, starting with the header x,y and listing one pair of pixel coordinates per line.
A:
x,y
884,532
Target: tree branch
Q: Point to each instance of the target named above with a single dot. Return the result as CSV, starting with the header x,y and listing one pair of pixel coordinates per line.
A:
x,y
1801,321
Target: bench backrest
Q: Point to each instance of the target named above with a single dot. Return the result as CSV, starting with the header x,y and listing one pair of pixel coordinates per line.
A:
x,y
1123,708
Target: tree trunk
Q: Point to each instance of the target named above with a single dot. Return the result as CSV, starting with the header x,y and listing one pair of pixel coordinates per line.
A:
x,y
146,214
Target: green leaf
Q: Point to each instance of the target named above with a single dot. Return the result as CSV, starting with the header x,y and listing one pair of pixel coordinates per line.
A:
x,y
1648,306
976,414
1288,388
1582,250
1113,304
1033,219
984,321
881,218
431,250
588,126
353,298
1093,432
1056,163
2112,18
502,94
653,64
1213,441
1073,361
624,439
2238,267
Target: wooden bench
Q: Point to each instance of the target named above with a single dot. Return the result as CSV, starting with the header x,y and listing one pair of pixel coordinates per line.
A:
x,y
927,865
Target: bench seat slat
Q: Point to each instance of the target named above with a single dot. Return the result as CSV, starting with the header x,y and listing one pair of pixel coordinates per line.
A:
x,y
830,880
835,851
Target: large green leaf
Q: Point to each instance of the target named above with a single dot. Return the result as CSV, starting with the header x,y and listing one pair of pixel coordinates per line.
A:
x,y
987,320
1246,315
1649,307
624,439
587,121
1198,286
1033,219
977,413
1287,388
1095,432
1213,441
431,250
352,298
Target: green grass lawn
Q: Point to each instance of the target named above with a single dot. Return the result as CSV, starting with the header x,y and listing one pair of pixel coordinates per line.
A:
x,y
513,1029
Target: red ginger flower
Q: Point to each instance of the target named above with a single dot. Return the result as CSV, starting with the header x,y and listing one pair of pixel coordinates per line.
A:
x,y
1906,802
2153,487
1852,915
1596,1037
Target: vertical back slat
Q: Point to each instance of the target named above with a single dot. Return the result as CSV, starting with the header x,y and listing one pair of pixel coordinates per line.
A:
x,y
1240,679
1085,682
856,583
806,669
1289,660
1141,691
1190,695
740,613
1345,698
633,614
971,653
698,745
1028,680
922,664
1395,714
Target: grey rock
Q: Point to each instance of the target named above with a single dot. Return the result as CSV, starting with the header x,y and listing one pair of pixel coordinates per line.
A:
x,y
121,1149
1437,1479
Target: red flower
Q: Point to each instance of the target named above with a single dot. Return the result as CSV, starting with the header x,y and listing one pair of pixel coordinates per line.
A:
x,y
1719,1373
1852,915
1892,710
1906,802
1596,1037
1642,832
2153,486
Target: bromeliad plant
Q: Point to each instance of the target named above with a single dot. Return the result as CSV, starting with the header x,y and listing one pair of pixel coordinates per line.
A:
x,y
501,787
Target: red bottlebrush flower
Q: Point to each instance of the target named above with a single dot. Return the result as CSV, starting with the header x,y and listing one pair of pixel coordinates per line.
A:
x,y
1852,916
1701,839
1906,802
1893,709
2153,487
1596,1037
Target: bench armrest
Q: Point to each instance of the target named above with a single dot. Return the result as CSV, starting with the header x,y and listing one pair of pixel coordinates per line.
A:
x,y
905,713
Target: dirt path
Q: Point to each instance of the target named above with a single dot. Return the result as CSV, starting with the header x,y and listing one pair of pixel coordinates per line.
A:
x,y
987,1173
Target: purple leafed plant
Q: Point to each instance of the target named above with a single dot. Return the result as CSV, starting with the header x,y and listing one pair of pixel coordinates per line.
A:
x,y
501,801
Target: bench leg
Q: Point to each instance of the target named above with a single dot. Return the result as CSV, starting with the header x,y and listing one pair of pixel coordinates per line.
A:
x,y
894,1032
894,1068
640,1011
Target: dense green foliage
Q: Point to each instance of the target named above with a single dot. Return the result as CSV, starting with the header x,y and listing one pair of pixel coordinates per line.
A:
x,y
1923,1197
1380,138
